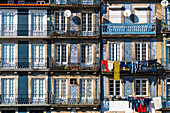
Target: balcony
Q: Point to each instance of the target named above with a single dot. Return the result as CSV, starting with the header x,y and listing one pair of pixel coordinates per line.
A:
x,y
23,63
165,63
57,101
75,31
21,99
128,28
24,30
132,66
75,2
73,66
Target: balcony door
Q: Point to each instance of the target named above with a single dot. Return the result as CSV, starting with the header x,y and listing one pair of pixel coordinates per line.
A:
x,y
8,56
60,22
38,56
86,91
87,24
8,91
168,93
140,15
38,91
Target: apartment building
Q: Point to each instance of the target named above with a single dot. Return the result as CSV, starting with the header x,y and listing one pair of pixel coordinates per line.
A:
x,y
131,38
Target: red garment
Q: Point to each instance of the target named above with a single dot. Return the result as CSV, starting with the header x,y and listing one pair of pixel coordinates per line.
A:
x,y
104,63
143,109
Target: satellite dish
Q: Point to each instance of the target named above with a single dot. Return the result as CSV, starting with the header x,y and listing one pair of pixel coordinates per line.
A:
x,y
67,13
164,3
127,13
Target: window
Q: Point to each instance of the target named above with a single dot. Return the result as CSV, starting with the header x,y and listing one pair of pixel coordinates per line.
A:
x,y
40,2
115,15
10,2
86,88
141,50
73,81
38,21
115,51
168,91
38,55
61,53
60,88
8,91
38,88
60,22
140,15
87,54
21,2
8,55
168,51
141,87
8,87
114,87
87,22
8,21
89,2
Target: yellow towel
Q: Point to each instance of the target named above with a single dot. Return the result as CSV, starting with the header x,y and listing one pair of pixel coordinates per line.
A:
x,y
116,70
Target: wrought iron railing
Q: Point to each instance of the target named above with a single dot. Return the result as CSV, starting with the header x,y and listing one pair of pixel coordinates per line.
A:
x,y
128,28
25,30
13,99
75,101
80,65
76,2
73,30
14,63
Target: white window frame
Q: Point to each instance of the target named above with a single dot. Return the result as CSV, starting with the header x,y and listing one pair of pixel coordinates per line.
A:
x,y
87,20
84,98
36,59
9,26
64,63
141,87
8,63
115,88
86,54
115,51
38,25
60,87
37,97
60,21
8,98
141,50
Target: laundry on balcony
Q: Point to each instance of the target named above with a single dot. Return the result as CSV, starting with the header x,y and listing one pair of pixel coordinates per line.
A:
x,y
131,66
139,104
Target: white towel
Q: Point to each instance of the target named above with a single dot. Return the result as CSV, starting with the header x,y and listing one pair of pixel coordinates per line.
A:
x,y
157,103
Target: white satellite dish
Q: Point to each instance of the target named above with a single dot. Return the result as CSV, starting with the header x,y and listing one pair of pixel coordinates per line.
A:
x,y
164,3
67,13
127,13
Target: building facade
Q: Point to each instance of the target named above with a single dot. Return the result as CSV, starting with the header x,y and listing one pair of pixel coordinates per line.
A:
x,y
54,63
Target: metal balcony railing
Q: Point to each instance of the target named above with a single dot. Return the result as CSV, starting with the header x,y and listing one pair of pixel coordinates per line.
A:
x,y
14,63
69,30
14,99
128,28
24,30
80,65
165,63
75,101
76,2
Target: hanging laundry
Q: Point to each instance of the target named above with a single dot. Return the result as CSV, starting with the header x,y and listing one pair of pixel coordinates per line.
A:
x,y
157,103
110,65
116,70
151,62
132,67
104,63
135,66
122,64
128,64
